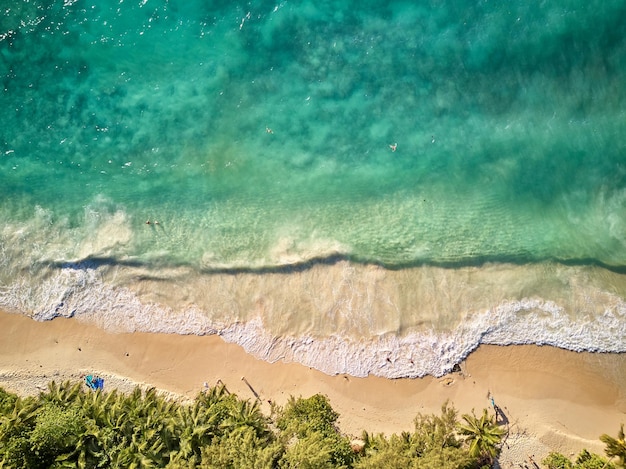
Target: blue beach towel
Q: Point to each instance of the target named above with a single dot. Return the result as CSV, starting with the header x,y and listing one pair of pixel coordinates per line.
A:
x,y
94,383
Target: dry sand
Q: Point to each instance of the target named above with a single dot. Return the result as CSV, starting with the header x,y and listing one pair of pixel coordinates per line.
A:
x,y
553,399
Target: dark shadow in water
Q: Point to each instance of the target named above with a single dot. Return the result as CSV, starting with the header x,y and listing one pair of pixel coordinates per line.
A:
x,y
95,262
516,260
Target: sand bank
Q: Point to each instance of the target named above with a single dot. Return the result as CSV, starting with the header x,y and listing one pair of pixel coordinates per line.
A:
x,y
553,399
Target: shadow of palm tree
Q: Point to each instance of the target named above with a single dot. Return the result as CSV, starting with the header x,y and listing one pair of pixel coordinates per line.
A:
x,y
501,418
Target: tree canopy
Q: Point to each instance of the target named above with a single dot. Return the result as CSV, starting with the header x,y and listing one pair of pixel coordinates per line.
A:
x,y
70,425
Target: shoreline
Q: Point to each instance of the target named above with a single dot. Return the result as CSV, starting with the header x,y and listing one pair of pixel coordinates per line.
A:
x,y
555,400
349,318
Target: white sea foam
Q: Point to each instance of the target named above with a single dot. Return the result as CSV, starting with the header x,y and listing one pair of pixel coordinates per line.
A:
x,y
433,353
79,291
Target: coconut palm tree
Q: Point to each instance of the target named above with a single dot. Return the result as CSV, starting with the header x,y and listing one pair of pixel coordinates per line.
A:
x,y
213,395
616,447
90,451
244,413
64,394
15,426
483,436
136,429
20,419
378,451
435,432
198,426
168,427
7,402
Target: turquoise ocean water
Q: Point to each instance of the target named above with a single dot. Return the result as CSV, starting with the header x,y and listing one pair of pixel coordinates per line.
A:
x,y
364,187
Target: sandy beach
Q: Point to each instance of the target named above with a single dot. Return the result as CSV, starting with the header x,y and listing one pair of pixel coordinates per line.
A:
x,y
554,400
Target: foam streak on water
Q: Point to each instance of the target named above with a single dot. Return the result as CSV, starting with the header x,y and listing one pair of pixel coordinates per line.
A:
x,y
358,186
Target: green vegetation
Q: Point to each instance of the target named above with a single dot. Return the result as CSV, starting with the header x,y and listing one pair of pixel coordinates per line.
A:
x,y
585,460
70,426
483,436
616,447
433,444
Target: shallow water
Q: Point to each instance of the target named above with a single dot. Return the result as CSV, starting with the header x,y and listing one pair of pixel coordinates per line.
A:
x,y
259,139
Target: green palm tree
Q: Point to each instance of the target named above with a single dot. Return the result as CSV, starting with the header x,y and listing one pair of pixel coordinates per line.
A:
x,y
64,394
7,401
616,447
21,417
245,413
435,432
15,427
214,394
154,431
101,407
91,451
198,426
169,429
394,452
483,436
